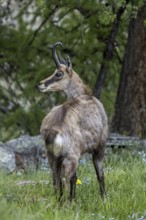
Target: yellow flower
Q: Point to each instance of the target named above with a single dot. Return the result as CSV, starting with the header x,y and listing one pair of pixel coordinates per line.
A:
x,y
78,182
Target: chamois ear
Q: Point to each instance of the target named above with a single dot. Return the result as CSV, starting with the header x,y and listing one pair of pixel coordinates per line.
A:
x,y
68,63
62,60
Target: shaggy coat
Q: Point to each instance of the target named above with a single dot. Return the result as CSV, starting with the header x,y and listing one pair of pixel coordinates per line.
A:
x,y
77,126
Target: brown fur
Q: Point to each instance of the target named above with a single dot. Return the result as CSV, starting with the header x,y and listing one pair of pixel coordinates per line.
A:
x,y
77,126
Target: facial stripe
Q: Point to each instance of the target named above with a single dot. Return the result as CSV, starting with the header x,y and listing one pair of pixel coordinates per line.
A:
x,y
52,80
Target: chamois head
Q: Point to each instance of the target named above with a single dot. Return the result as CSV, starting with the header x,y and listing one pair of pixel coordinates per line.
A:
x,y
61,77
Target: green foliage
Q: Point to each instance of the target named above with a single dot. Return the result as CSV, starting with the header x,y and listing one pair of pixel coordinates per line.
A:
x,y
144,23
25,55
126,193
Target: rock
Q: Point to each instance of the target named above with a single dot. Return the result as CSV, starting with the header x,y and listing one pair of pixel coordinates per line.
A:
x,y
125,141
7,159
31,182
26,144
29,152
1,144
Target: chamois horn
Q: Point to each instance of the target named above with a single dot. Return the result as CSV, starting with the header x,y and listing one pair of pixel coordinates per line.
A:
x,y
54,55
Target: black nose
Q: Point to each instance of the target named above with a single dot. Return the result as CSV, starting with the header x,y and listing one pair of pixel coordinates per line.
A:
x,y
40,83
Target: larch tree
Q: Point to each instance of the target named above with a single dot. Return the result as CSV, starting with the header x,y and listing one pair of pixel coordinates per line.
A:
x,y
130,109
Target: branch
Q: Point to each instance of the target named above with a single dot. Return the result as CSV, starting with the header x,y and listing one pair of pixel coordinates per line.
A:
x,y
108,52
40,26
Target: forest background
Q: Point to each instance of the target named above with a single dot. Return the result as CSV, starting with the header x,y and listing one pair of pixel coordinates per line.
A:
x,y
106,40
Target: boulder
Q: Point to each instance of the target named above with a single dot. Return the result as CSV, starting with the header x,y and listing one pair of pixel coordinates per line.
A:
x,y
29,152
26,144
7,159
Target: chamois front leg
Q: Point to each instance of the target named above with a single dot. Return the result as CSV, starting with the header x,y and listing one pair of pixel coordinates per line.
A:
x,y
98,164
73,181
68,177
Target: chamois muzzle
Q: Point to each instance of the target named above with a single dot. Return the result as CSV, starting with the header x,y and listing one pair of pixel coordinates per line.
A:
x,y
54,55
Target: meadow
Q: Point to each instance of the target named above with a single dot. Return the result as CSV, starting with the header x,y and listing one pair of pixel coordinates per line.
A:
x,y
125,177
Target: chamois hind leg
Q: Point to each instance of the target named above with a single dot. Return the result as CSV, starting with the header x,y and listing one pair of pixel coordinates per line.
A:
x,y
73,181
98,164
68,177
55,165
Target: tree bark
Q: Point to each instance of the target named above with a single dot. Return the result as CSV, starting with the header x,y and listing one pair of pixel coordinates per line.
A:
x,y
130,109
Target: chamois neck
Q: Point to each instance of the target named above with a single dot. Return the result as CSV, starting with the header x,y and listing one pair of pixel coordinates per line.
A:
x,y
76,87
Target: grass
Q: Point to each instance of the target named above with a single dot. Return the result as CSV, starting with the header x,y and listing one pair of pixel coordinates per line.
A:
x,y
125,176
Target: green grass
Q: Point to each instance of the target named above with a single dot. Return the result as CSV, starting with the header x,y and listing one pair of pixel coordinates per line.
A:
x,y
125,177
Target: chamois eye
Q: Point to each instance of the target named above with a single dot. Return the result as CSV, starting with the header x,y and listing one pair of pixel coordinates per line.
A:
x,y
59,74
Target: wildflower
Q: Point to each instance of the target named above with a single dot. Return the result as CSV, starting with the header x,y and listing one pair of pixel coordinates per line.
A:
x,y
78,182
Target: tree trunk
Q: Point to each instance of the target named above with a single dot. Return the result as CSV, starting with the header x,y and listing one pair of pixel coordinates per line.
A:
x,y
130,113
108,52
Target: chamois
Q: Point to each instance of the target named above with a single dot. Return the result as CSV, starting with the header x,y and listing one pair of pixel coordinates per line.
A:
x,y
77,126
